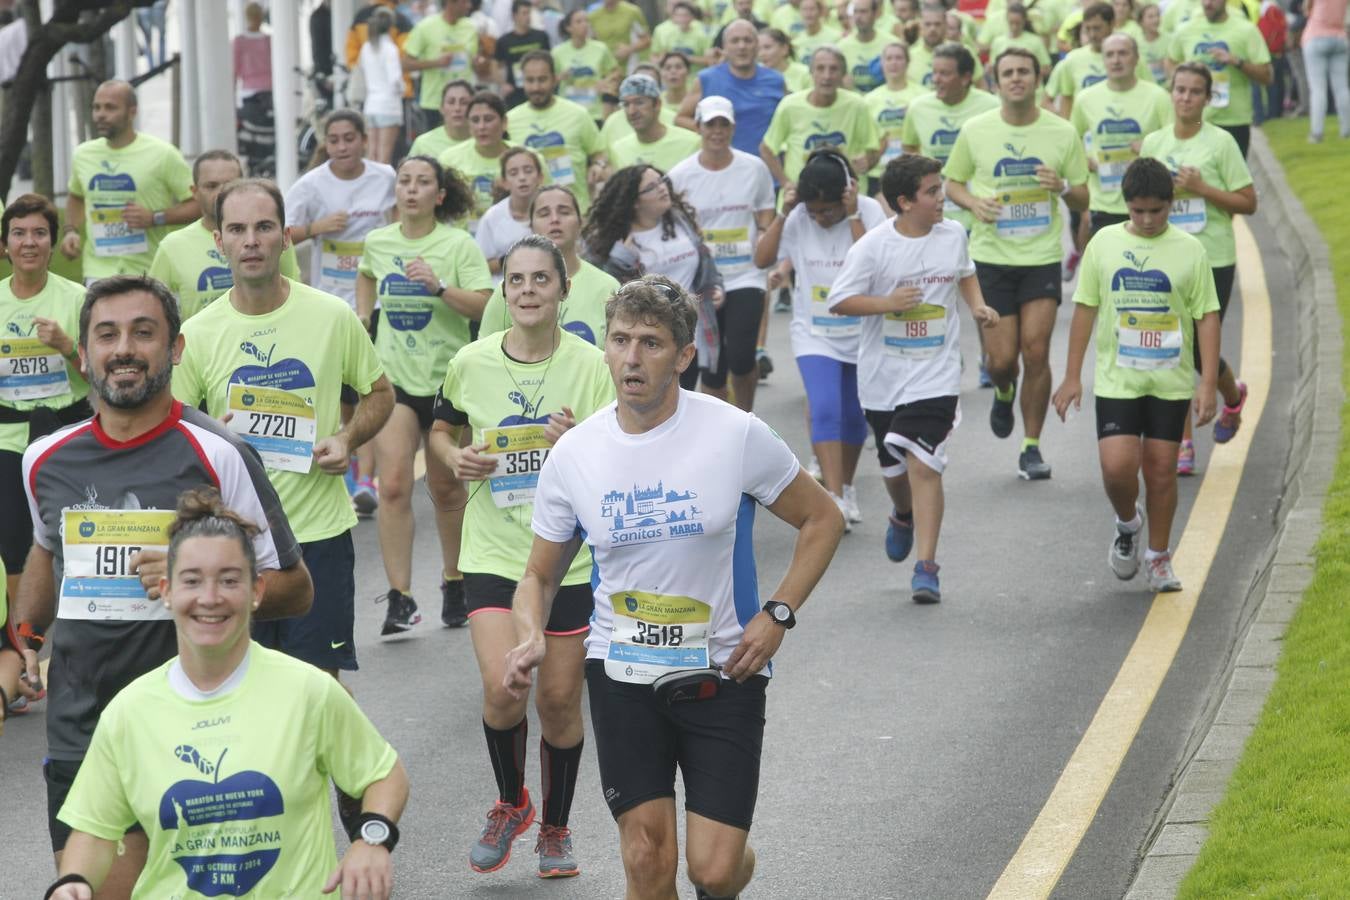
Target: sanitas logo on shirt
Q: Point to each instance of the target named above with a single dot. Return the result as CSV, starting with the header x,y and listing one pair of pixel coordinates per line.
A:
x,y
645,515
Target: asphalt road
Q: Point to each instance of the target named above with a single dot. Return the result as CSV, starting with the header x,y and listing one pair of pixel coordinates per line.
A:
x,y
908,748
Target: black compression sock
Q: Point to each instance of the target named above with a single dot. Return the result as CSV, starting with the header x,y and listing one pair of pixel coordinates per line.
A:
x,y
558,768
506,749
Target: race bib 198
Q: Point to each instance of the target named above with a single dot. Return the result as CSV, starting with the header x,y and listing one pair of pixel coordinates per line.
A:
x,y
656,634
520,451
917,333
30,370
278,424
97,546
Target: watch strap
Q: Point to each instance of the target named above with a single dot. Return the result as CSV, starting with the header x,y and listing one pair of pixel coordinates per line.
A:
x,y
772,606
390,842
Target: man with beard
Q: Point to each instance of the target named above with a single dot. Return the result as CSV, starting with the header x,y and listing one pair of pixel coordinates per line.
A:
x,y
102,495
125,187
560,131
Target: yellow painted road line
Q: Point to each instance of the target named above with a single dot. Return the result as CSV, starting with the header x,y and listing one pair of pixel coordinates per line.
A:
x,y
1055,835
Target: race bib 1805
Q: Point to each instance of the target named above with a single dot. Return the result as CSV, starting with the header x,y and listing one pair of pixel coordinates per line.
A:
x,y
1025,213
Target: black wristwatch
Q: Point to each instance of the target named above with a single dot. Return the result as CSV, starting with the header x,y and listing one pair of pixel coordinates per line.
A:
x,y
781,613
377,831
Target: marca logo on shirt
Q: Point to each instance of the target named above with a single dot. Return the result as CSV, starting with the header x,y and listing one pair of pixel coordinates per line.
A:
x,y
219,839
645,515
1140,279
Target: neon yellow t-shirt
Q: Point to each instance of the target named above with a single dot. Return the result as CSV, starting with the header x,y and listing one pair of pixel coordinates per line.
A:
x,y
616,126
1080,69
419,333
920,70
888,109
432,38
798,127
1027,41
613,27
433,143
582,313
579,73
797,77
480,172
1149,292
677,145
303,352
1215,153
188,262
1154,55
232,791
787,19
805,43
149,172
668,38
999,160
564,134
497,392
933,126
861,55
1230,100
31,373
1116,121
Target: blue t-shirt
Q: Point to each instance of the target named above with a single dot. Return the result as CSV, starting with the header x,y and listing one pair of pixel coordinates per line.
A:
x,y
754,99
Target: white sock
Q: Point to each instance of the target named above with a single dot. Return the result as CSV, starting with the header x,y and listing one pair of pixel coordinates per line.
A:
x,y
1131,526
1151,554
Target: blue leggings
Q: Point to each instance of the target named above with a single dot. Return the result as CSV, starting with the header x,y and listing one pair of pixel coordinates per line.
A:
x,y
832,392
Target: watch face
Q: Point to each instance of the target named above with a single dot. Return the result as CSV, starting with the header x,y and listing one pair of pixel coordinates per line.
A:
x,y
781,613
374,832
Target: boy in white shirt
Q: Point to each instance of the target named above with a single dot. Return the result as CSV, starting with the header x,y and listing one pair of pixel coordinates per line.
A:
x,y
904,279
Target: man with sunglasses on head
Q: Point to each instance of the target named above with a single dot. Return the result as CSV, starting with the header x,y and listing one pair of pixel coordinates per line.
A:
x,y
677,660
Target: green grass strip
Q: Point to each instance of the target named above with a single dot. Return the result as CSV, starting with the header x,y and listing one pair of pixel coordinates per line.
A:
x,y
1283,828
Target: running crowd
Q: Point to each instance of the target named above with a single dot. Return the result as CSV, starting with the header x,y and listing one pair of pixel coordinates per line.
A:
x,y
560,297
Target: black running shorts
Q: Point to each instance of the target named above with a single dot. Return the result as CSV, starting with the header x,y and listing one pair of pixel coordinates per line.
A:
x,y
1147,417
716,743
1006,288
925,423
571,612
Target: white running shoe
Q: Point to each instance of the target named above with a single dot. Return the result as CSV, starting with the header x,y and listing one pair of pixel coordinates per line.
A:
x,y
851,512
1161,578
1124,553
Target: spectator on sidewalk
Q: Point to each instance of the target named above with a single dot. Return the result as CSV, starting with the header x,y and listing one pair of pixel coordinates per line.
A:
x,y
1326,54
383,75
1268,103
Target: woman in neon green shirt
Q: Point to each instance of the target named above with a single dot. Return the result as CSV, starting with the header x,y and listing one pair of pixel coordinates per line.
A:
x,y
517,394
775,52
554,215
223,754
478,161
587,70
431,280
674,79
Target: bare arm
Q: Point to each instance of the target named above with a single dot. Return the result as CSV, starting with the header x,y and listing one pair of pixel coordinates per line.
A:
x,y
88,856
806,506
365,298
1207,335
469,304
366,870
70,239
685,117
982,312
1235,203
333,453
532,604
1070,390
775,166
36,599
287,592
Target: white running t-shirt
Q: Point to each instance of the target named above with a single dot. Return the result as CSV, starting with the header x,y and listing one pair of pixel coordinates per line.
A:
x,y
914,355
367,199
668,517
817,256
498,232
726,201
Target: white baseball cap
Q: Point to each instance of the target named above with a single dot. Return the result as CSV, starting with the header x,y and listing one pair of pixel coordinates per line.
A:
x,y
710,108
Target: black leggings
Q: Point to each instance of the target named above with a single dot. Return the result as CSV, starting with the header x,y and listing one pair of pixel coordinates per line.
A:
x,y
1223,286
738,325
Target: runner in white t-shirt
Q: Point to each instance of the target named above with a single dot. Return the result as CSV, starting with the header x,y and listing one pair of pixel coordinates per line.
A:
x,y
508,220
905,280
822,218
334,206
663,487
732,193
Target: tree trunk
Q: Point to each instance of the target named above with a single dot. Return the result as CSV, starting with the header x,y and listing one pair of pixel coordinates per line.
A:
x,y
43,176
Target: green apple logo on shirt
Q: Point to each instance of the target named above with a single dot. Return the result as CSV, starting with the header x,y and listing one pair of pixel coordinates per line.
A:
x,y
221,843
1016,165
823,137
1135,278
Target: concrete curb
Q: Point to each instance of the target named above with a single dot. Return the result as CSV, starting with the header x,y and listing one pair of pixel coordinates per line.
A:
x,y
1277,589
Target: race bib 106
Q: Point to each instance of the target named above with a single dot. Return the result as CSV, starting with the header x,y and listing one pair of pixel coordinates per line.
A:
x,y
1148,341
97,546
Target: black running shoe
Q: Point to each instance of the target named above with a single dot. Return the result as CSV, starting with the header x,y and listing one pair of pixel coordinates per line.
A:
x,y
1001,418
765,364
1031,466
454,614
402,614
